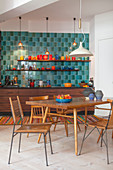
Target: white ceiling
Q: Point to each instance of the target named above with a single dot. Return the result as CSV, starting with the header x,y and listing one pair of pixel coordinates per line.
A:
x,y
56,9
67,9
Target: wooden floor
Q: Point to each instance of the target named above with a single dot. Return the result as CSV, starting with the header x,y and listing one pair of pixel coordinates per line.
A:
x,y
32,155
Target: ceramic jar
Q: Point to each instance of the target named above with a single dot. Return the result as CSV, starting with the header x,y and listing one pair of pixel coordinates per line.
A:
x,y
98,94
91,96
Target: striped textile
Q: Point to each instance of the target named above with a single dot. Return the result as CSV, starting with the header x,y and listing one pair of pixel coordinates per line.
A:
x,y
8,120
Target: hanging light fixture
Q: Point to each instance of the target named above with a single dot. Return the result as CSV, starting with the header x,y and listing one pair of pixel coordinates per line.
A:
x,y
47,52
81,51
74,43
20,43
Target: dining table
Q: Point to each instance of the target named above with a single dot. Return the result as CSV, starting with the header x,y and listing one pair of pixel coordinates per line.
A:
x,y
76,103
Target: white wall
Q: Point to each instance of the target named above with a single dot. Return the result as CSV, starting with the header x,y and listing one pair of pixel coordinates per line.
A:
x,y
103,30
104,55
40,26
92,47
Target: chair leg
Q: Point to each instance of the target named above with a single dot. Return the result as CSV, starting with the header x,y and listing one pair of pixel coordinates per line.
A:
x,y
19,142
30,119
112,133
107,148
78,126
56,123
50,143
83,140
45,151
66,126
11,146
99,136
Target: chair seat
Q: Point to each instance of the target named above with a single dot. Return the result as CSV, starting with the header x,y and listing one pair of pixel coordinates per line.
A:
x,y
34,128
99,124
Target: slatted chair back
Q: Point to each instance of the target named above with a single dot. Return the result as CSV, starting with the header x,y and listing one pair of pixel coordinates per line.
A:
x,y
38,98
20,107
111,114
14,109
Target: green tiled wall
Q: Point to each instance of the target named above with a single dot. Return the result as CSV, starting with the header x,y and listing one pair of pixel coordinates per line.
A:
x,y
36,43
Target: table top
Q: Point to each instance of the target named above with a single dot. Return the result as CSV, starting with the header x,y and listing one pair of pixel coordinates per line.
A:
x,y
75,103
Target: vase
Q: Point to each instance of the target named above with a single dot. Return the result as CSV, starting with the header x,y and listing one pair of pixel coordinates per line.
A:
x,y
91,96
99,95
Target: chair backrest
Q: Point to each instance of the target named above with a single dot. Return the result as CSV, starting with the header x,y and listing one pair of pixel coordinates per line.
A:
x,y
15,109
20,107
111,116
38,98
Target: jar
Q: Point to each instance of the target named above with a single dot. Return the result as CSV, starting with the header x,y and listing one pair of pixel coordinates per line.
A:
x,y
21,57
62,57
53,67
50,57
99,95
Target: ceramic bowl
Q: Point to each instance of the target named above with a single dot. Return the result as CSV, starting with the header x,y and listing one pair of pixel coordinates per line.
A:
x,y
63,100
67,84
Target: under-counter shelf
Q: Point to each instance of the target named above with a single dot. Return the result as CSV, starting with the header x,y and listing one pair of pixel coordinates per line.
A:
x,y
45,70
56,60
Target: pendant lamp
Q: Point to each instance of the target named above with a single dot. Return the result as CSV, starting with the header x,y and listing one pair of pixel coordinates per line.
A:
x,y
47,52
20,43
74,43
81,51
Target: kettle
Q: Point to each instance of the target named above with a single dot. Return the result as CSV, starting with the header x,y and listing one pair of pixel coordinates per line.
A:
x,y
40,83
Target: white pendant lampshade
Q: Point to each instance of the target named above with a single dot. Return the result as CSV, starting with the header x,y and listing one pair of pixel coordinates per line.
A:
x,y
81,52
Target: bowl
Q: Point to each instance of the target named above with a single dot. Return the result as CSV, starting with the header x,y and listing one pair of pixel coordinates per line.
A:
x,y
67,84
63,100
82,84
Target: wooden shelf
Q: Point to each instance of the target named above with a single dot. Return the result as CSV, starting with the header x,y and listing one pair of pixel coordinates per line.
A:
x,y
43,70
55,60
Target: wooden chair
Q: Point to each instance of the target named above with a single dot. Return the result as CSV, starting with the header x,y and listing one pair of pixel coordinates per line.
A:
x,y
105,117
102,124
42,128
37,112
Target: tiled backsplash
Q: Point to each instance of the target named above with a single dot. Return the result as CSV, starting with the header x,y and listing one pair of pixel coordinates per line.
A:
x,y
36,43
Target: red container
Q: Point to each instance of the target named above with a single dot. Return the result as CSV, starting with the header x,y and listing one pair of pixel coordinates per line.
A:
x,y
73,58
50,57
45,57
40,57
31,84
53,67
29,57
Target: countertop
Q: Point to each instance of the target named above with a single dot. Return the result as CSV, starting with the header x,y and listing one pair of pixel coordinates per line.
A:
x,y
55,87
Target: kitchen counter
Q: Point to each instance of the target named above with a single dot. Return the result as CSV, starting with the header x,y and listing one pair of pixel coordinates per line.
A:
x,y
24,93
55,87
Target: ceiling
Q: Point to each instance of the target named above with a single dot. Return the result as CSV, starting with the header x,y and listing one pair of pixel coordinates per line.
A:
x,y
67,9
56,9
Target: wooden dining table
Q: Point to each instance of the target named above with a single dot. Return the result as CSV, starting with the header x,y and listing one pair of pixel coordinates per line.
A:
x,y
79,102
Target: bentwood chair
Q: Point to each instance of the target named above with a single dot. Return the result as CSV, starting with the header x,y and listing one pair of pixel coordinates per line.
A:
x,y
42,128
37,112
102,124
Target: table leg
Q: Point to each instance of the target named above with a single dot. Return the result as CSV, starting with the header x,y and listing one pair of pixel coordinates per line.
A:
x,y
44,119
75,131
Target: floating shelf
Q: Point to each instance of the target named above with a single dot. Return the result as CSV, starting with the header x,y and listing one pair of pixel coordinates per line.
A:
x,y
43,70
55,60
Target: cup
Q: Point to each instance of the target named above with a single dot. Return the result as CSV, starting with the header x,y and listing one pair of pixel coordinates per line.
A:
x,y
73,58
50,57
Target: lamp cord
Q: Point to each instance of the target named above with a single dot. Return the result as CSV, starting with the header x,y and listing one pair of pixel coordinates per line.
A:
x,y
47,24
20,27
81,21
